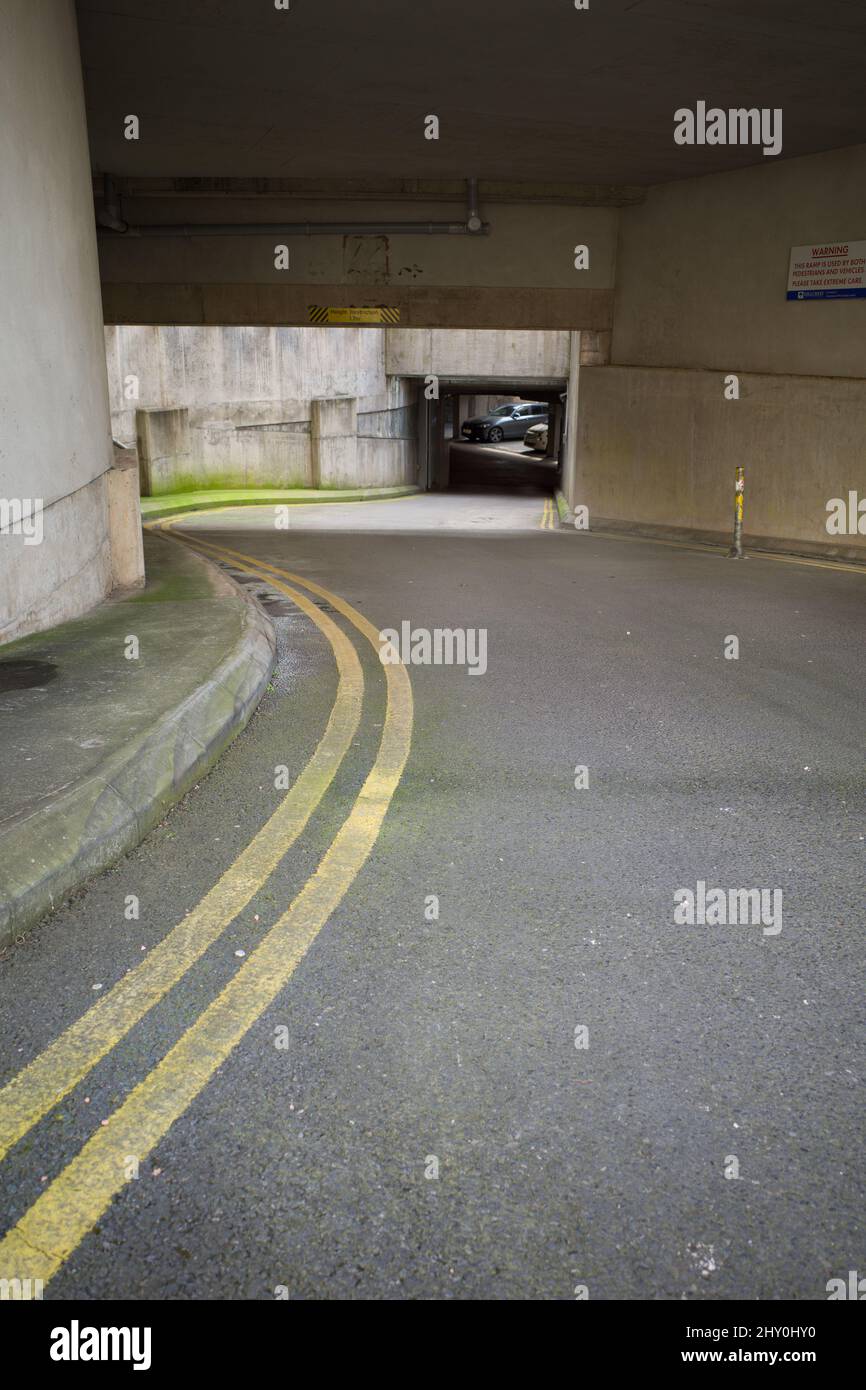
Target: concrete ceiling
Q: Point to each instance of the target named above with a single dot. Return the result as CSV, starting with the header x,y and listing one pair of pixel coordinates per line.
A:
x,y
532,91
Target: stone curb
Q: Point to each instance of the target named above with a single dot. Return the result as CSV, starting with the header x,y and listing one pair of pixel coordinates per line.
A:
x,y
383,494
92,824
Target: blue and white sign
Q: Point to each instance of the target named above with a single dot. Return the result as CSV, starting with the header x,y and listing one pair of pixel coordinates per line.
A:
x,y
828,270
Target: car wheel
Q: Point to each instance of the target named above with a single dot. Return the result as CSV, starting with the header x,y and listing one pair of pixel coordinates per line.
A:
x,y
495,436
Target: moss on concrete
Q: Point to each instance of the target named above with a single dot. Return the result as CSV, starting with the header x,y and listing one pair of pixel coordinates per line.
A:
x,y
170,504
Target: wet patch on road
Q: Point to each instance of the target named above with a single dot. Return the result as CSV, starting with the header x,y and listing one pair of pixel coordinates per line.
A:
x,y
19,673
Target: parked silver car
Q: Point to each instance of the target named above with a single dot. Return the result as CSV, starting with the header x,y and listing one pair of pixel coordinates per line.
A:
x,y
505,422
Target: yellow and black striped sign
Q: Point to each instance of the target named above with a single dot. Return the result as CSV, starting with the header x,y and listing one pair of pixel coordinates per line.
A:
x,y
380,313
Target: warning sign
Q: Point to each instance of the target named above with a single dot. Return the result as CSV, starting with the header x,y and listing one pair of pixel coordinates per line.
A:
x,y
351,314
828,270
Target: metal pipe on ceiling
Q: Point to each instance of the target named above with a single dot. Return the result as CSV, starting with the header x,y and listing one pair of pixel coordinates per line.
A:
x,y
169,229
109,221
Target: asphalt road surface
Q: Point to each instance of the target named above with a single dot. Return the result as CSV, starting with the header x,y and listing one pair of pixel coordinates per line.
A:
x,y
508,467
500,1067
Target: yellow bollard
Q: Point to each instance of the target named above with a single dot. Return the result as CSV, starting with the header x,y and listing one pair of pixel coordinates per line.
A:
x,y
736,551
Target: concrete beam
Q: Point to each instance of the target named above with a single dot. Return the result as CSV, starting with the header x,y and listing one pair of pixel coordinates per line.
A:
x,y
137,302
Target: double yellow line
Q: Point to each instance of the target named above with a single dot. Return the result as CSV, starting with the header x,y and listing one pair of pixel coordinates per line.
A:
x,y
55,1224
548,515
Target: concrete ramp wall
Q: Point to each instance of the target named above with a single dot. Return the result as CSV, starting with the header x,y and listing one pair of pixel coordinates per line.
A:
x,y
261,407
712,366
658,449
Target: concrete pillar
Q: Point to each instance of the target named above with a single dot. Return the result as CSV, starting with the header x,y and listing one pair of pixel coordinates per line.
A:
x,y
55,432
124,521
554,430
422,442
334,443
440,462
164,455
571,480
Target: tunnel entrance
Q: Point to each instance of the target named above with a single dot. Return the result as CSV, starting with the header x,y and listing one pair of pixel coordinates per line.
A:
x,y
342,408
493,435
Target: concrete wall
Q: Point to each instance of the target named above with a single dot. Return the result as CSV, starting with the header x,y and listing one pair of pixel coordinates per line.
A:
x,y
55,441
476,353
387,452
702,270
249,407
529,246
702,276
660,447
267,372
521,274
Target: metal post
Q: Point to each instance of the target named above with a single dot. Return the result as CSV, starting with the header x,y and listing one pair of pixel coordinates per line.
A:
x,y
736,551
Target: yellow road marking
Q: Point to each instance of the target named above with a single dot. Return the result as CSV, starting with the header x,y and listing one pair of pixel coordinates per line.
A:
x,y
60,1218
355,618
543,522
56,1070
853,567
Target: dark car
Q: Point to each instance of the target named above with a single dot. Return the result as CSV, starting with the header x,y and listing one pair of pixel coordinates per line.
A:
x,y
506,422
